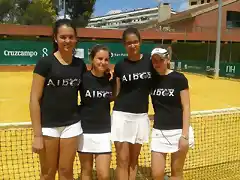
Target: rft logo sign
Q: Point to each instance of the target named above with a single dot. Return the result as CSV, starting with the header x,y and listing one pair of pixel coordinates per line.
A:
x,y
230,69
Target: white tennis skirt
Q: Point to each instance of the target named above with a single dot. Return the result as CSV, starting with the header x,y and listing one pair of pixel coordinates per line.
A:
x,y
166,141
64,131
130,127
95,143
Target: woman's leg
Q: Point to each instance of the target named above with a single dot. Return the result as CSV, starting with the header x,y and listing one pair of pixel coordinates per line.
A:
x,y
86,161
134,151
122,150
49,158
67,154
177,164
103,166
158,162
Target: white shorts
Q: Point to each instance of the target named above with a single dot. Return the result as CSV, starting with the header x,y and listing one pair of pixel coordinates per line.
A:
x,y
95,143
130,127
63,132
166,141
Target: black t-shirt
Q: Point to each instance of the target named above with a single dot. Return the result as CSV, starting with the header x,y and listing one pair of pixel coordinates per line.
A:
x,y
166,100
95,103
59,105
135,77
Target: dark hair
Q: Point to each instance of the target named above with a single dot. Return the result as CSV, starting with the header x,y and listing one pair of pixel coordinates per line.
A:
x,y
58,24
95,49
131,30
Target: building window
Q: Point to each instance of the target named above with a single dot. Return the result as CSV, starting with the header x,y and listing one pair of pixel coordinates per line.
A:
x,y
233,19
208,1
193,3
202,1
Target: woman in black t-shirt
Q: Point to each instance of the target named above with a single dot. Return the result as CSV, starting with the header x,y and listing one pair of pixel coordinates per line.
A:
x,y
130,123
171,132
54,104
96,93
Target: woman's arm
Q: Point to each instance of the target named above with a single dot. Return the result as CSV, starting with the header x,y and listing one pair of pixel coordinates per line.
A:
x,y
185,100
116,81
116,88
34,105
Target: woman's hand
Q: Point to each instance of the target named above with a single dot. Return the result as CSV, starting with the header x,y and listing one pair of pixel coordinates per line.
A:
x,y
109,72
183,144
37,145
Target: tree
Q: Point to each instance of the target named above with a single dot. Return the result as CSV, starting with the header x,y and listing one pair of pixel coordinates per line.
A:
x,y
12,10
39,12
80,11
27,12
5,8
18,10
43,12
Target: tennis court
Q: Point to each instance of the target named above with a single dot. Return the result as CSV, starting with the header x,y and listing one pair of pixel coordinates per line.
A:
x,y
216,155
206,93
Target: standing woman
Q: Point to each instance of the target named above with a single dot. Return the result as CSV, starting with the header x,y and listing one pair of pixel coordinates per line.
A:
x,y
130,122
54,105
171,132
96,93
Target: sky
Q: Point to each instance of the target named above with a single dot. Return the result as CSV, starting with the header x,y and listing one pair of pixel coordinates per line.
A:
x,y
102,7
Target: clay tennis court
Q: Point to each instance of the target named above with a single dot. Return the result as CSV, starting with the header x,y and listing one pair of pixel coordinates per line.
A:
x,y
206,94
216,155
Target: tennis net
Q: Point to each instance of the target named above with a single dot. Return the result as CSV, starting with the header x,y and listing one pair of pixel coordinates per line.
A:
x,y
216,154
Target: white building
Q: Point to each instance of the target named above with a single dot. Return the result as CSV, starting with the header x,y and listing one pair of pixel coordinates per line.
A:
x,y
131,18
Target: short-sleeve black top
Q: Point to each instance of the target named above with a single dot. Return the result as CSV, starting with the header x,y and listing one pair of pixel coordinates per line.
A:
x,y
59,102
96,93
135,78
166,100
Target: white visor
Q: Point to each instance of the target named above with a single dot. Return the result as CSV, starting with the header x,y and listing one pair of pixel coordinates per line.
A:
x,y
159,51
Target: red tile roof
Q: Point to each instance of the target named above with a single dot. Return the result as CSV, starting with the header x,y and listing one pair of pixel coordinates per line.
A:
x,y
190,13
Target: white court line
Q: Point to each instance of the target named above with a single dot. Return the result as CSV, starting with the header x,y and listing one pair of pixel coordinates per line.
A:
x,y
15,124
229,106
5,99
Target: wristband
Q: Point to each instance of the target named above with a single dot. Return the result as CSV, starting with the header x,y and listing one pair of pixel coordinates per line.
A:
x,y
184,137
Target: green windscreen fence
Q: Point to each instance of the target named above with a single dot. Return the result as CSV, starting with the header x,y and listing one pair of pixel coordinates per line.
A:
x,y
26,52
187,57
206,52
231,70
200,58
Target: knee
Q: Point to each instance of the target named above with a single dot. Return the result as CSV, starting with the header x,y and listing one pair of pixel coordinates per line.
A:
x,y
158,169
123,160
65,172
158,175
48,173
103,175
86,170
177,172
